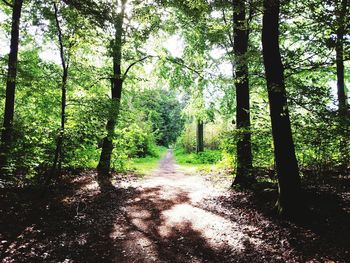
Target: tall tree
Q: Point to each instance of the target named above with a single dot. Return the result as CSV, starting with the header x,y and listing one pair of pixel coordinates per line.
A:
x,y
148,19
118,15
288,203
341,15
341,12
7,132
240,46
57,163
332,18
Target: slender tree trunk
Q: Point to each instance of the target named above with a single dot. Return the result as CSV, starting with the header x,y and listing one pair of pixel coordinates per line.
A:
x,y
341,10
288,203
244,151
7,132
200,136
57,163
104,164
342,98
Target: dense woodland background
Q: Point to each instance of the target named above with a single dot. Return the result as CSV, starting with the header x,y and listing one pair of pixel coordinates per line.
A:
x,y
95,84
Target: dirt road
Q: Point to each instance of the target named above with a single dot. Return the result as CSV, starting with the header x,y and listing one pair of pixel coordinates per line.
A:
x,y
166,221
166,217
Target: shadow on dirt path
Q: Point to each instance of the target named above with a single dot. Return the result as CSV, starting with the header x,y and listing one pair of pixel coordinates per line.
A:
x,y
166,217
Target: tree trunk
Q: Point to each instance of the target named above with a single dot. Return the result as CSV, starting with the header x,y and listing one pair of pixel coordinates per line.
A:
x,y
342,98
200,136
57,163
244,152
288,203
7,132
104,164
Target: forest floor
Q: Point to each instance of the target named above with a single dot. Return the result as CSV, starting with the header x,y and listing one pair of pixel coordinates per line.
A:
x,y
169,216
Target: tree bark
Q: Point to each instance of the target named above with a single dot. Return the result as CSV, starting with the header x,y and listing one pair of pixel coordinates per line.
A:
x,y
200,136
7,132
341,11
342,98
104,164
57,163
244,152
288,203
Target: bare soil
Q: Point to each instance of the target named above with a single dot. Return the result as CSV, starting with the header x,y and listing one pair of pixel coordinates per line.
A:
x,y
168,217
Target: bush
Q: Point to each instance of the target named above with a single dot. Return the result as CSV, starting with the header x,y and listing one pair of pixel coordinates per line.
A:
x,y
207,157
132,142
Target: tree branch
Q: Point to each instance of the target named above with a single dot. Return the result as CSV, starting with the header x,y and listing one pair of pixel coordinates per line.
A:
x,y
170,59
98,80
60,38
173,60
7,3
133,64
228,33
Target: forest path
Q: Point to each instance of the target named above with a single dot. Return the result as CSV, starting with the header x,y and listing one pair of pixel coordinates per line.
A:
x,y
166,221
166,217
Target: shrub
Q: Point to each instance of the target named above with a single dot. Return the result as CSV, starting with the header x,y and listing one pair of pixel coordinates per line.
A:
x,y
207,157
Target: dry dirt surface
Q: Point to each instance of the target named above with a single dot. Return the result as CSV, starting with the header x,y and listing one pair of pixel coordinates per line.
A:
x,y
165,217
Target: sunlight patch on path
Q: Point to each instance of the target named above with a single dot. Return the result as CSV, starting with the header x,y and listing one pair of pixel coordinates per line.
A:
x,y
166,216
212,227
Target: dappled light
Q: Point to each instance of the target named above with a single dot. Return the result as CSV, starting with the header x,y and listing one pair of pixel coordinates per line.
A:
x,y
166,217
193,131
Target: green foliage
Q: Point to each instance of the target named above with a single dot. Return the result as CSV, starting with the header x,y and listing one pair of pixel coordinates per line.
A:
x,y
163,112
164,96
212,136
206,157
145,165
135,140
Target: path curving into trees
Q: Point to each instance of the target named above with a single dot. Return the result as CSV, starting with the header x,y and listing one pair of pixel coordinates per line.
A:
x,y
167,222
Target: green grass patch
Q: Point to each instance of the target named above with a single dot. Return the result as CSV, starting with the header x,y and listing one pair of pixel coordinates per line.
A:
x,y
192,162
194,168
206,157
145,165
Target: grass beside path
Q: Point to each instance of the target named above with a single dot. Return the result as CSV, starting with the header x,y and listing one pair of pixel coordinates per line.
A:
x,y
207,161
145,165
